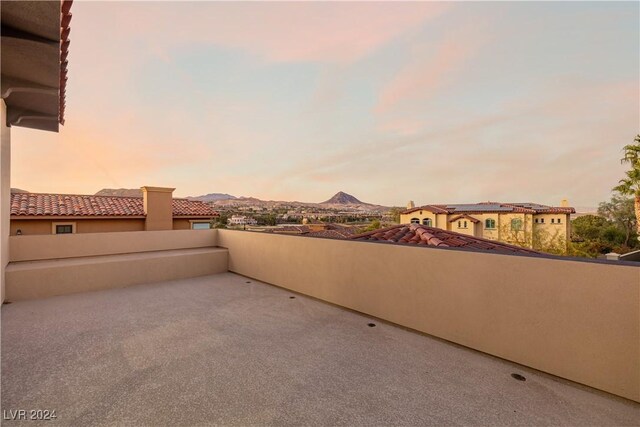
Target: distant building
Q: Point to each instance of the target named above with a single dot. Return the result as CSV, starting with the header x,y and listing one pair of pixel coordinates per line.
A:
x,y
34,213
523,224
241,220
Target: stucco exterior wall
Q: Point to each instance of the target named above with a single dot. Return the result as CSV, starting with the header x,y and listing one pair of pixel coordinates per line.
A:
x,y
45,247
5,193
48,265
185,224
577,320
44,226
459,227
552,231
43,279
158,208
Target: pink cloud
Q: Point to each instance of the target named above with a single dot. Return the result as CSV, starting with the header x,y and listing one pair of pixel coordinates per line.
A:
x,y
330,32
431,69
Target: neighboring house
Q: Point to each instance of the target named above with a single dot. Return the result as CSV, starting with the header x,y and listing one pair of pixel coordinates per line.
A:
x,y
241,220
421,235
33,213
518,223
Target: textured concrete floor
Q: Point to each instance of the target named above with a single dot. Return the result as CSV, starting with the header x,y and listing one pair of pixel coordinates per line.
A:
x,y
219,350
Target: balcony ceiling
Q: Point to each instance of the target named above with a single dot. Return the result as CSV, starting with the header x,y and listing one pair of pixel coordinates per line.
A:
x,y
34,66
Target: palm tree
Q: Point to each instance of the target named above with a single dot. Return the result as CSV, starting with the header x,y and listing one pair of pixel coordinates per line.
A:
x,y
630,186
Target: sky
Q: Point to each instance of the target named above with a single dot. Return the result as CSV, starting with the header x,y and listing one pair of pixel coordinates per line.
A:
x,y
432,102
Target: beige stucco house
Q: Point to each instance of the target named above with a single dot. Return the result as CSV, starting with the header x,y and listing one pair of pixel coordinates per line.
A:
x,y
525,224
33,213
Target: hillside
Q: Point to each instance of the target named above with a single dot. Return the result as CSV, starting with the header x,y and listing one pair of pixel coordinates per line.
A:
x,y
123,192
212,197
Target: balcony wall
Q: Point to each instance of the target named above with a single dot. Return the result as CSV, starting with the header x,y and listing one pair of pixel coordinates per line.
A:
x,y
574,319
43,247
50,265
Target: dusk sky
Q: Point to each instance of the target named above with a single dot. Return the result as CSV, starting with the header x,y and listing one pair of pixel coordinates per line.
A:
x,y
431,102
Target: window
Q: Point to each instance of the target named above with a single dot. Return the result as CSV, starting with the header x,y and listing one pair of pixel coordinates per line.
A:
x,y
490,223
465,224
64,229
415,220
459,224
558,221
200,225
427,222
553,220
516,224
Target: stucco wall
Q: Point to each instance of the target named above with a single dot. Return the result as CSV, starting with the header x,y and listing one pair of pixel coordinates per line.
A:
x,y
43,279
48,265
5,192
552,231
43,226
158,208
577,320
32,248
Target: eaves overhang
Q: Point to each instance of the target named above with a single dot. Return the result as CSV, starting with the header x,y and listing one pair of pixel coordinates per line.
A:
x,y
34,49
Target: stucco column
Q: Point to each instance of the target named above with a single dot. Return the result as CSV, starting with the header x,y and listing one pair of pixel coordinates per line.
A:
x,y
5,193
158,208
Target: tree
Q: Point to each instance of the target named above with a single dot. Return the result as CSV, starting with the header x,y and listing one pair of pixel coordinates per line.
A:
x,y
220,221
630,186
394,213
375,225
622,212
588,227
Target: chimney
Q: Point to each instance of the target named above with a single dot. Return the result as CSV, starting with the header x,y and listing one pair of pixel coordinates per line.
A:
x,y
158,207
564,203
411,205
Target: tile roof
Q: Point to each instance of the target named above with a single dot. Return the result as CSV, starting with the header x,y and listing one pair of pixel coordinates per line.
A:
x,y
421,235
331,234
486,207
290,229
333,231
33,204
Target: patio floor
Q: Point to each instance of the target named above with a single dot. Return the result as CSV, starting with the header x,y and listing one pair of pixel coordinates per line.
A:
x,y
219,350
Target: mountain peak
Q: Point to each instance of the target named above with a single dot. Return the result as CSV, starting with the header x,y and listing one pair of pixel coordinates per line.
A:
x,y
342,198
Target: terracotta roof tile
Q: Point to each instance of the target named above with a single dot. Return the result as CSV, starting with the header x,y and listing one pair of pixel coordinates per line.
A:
x,y
32,204
331,234
415,234
290,229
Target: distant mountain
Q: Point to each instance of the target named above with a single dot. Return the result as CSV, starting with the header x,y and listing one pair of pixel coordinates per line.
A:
x,y
123,192
212,197
342,198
